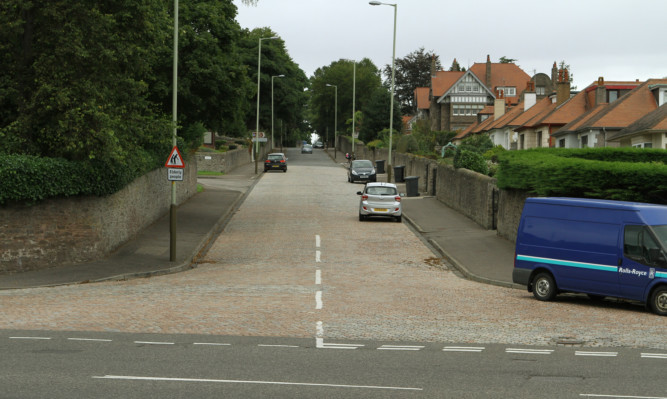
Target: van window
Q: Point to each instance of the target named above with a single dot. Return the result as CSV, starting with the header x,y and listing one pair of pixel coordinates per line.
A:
x,y
641,246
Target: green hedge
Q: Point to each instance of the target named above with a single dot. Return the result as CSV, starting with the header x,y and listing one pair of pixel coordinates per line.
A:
x,y
624,174
29,179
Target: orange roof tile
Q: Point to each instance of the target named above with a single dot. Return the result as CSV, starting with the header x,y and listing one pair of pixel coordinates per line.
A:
x,y
653,122
443,81
502,75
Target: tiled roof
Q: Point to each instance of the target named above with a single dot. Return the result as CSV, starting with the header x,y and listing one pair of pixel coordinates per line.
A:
x,y
582,120
502,75
534,113
655,121
421,94
443,80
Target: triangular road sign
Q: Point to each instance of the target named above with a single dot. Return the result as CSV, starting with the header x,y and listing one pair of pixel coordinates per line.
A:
x,y
175,159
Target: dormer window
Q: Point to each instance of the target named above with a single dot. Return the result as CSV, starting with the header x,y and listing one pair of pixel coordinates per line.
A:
x,y
508,91
613,96
663,97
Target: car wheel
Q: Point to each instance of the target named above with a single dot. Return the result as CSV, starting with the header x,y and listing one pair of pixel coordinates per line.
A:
x,y
362,217
658,301
285,170
544,287
399,219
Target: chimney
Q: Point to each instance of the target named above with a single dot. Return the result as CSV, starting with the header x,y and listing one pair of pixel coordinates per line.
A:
x,y
554,74
488,71
529,96
499,105
600,92
563,88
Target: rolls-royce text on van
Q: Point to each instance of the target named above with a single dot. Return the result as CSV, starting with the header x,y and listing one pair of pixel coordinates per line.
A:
x,y
597,247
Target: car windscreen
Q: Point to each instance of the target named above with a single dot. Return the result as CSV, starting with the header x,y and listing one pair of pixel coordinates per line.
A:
x,y
362,164
381,191
275,157
660,232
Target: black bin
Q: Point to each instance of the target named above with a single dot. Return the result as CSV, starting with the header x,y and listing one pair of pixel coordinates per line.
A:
x,y
398,173
412,186
379,164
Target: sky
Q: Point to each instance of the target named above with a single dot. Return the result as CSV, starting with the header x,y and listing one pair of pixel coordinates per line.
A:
x,y
619,40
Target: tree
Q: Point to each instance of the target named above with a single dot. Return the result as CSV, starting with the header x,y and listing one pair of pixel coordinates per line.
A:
x,y
289,96
505,60
411,71
341,74
455,66
376,115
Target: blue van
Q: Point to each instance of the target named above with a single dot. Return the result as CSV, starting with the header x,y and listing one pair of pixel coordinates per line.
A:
x,y
597,247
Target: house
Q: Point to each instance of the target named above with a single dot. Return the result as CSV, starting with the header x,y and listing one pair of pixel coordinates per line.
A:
x,y
456,98
612,107
647,132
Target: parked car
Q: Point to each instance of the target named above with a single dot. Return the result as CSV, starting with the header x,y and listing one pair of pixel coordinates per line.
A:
x,y
275,161
318,144
361,170
307,149
596,247
380,199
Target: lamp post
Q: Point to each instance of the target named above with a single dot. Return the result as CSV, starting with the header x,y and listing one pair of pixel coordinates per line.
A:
x,y
259,63
174,120
272,77
335,116
391,110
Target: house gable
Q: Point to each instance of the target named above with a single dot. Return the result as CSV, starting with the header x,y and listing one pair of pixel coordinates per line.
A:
x,y
465,88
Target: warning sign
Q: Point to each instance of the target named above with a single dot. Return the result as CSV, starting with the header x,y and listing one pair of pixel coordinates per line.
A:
x,y
175,159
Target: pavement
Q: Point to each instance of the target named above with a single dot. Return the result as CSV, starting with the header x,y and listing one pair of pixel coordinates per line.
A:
x,y
476,253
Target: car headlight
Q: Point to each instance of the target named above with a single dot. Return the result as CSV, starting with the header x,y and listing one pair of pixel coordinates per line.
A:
x,y
373,171
354,172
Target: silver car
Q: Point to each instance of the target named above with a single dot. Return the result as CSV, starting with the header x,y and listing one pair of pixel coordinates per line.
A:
x,y
380,199
307,149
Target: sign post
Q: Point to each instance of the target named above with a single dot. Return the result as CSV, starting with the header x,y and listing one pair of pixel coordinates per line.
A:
x,y
175,167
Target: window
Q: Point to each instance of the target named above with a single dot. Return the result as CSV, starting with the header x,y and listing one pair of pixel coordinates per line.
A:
x,y
462,88
561,143
540,90
584,141
613,95
508,91
643,145
641,246
539,139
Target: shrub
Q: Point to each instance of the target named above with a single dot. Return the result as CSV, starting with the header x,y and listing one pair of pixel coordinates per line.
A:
x,y
470,160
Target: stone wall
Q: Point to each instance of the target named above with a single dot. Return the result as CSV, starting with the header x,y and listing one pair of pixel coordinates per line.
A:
x,y
470,193
226,161
80,229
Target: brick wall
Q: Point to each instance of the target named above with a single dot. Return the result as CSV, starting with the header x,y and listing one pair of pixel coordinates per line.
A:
x,y
79,229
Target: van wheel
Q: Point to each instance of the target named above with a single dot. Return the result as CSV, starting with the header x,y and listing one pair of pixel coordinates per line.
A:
x,y
659,301
544,287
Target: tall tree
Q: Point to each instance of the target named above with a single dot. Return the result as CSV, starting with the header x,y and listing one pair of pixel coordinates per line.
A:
x,y
341,74
376,115
411,71
289,96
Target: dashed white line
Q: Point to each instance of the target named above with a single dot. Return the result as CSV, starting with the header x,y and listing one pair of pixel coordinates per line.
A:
x,y
278,346
318,300
401,347
207,380
476,349
319,332
599,354
36,338
530,351
210,344
318,277
654,355
317,240
89,339
592,395
318,254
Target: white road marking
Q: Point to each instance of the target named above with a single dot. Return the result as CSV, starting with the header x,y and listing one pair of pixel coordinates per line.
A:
x,y
317,256
153,343
400,347
43,338
278,346
476,349
318,277
317,240
654,355
601,354
320,330
530,351
592,395
138,378
210,344
322,345
318,300
89,339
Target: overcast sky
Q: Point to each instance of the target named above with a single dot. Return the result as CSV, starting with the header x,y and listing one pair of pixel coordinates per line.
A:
x,y
617,39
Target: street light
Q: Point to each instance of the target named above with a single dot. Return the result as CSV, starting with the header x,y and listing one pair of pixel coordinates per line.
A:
x,y
391,110
277,76
259,63
335,116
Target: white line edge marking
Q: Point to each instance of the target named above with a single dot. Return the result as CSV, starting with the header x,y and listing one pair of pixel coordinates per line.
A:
x,y
320,329
463,349
137,378
317,256
153,343
317,240
530,351
592,395
400,348
318,277
318,300
655,355
38,338
277,346
585,353
210,344
89,339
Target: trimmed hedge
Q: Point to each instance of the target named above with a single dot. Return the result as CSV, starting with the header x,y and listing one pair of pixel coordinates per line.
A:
x,y
624,174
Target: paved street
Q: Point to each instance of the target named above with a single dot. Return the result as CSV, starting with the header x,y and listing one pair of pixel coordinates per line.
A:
x,y
294,261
